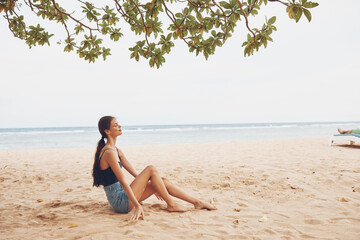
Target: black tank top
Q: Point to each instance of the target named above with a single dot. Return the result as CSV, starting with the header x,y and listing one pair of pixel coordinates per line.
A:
x,y
107,176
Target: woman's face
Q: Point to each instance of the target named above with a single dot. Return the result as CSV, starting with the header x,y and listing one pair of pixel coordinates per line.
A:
x,y
115,128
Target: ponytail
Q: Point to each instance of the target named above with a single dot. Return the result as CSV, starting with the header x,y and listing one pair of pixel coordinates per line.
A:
x,y
96,168
104,124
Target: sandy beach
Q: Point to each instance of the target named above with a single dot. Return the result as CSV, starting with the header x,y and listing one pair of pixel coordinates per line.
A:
x,y
278,189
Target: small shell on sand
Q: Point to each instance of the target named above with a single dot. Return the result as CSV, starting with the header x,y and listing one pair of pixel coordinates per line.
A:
x,y
342,199
40,200
72,225
263,219
236,222
237,209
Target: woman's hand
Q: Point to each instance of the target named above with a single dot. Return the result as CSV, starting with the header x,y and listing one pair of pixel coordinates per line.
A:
x,y
138,213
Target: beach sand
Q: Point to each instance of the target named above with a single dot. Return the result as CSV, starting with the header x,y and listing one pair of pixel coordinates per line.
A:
x,y
278,189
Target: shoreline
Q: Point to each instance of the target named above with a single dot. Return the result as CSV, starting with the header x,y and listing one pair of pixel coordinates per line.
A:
x,y
172,144
80,137
300,185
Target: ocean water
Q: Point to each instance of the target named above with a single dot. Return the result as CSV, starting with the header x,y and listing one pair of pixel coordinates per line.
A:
x,y
87,137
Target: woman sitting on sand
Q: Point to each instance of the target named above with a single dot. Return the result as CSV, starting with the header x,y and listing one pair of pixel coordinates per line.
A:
x,y
107,171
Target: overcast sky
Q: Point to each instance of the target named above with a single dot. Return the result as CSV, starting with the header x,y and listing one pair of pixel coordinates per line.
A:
x,y
311,72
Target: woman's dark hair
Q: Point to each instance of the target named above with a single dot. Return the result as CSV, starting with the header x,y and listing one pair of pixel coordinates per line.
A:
x,y
103,124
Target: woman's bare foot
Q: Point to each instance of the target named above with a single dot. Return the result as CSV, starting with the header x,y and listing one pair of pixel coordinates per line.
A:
x,y
177,208
204,205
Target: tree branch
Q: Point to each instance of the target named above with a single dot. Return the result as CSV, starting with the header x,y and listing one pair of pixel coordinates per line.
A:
x,y
246,19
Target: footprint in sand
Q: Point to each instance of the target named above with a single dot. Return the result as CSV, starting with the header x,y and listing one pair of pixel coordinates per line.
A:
x,y
57,203
84,208
60,178
46,216
248,182
128,232
269,231
313,221
157,207
224,185
178,169
240,204
39,178
304,235
227,178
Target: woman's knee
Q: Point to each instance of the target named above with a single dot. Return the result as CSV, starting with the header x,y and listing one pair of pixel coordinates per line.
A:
x,y
151,169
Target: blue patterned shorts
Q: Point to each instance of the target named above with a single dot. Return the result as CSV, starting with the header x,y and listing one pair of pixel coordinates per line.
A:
x,y
117,197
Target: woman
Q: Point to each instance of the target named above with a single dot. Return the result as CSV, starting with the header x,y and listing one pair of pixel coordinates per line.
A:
x,y
107,171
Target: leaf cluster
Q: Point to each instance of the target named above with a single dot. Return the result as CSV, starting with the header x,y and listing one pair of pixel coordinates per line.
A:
x,y
296,9
203,25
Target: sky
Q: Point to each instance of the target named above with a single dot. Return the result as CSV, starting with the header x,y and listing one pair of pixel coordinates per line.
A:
x,y
309,73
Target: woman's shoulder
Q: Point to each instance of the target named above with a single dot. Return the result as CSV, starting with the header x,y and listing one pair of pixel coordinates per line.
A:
x,y
107,151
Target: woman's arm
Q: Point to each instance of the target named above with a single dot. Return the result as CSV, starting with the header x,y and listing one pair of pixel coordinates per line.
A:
x,y
112,160
127,165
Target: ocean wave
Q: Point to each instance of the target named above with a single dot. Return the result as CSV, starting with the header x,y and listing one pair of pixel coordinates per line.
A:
x,y
160,129
41,132
206,128
333,124
232,127
250,127
182,128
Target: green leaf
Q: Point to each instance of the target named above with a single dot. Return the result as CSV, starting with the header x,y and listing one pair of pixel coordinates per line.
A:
x,y
297,13
225,5
307,14
310,4
68,48
272,20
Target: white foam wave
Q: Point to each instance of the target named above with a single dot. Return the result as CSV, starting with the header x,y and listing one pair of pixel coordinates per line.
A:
x,y
183,128
333,124
207,128
161,129
41,132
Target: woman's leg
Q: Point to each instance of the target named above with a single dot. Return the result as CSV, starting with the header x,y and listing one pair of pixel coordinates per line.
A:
x,y
175,191
141,187
179,193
